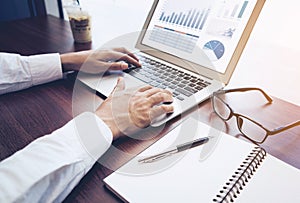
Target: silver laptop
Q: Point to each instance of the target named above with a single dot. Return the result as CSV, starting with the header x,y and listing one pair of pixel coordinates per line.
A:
x,y
188,47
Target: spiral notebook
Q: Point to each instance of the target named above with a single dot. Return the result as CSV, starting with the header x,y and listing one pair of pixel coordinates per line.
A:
x,y
225,169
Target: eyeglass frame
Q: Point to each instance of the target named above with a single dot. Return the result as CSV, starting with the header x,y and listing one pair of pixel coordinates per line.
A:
x,y
237,115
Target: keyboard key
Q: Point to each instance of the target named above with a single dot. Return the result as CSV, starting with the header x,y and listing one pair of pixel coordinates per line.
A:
x,y
148,75
177,79
201,84
191,90
162,77
184,92
153,77
176,93
172,86
181,85
198,87
175,82
154,84
159,80
184,81
147,70
162,86
180,98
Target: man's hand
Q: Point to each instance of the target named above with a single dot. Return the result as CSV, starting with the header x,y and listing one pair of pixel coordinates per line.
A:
x,y
98,61
127,111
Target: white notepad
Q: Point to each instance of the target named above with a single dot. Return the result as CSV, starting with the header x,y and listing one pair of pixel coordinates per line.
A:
x,y
213,172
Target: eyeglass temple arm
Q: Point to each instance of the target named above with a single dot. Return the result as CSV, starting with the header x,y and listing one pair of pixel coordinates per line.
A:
x,y
270,100
283,128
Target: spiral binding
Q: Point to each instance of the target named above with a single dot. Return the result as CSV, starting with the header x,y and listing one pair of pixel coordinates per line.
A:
x,y
241,176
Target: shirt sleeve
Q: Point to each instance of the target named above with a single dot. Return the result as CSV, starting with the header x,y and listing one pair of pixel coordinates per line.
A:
x,y
19,72
50,167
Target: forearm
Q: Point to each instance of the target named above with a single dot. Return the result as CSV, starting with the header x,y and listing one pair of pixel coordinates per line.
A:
x,y
20,72
50,167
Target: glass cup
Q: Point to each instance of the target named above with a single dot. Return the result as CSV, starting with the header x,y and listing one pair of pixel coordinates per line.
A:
x,y
80,22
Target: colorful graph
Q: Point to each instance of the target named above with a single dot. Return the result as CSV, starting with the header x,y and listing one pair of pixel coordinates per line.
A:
x,y
214,50
192,18
233,11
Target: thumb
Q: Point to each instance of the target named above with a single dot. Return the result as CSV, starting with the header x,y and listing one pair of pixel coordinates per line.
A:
x,y
119,86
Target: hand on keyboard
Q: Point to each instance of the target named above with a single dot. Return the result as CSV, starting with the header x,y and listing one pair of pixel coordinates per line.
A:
x,y
130,68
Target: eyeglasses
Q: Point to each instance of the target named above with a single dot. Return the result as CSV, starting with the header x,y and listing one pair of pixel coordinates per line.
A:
x,y
251,129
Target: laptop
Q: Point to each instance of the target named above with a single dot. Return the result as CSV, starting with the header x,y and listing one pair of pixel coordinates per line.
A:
x,y
188,47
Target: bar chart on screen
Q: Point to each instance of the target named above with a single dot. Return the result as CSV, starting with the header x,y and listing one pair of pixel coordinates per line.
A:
x,y
186,17
193,18
179,26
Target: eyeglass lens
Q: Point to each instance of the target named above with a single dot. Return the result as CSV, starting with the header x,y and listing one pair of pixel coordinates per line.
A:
x,y
221,108
249,128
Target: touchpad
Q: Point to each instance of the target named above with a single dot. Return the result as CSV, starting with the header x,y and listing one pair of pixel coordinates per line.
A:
x,y
105,84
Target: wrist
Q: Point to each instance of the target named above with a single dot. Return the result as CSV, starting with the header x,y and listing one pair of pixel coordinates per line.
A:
x,y
73,61
109,121
66,62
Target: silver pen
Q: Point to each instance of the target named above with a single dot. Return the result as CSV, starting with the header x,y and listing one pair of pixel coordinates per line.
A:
x,y
179,148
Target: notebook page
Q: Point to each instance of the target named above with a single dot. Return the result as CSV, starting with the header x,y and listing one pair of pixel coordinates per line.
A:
x,y
274,181
182,177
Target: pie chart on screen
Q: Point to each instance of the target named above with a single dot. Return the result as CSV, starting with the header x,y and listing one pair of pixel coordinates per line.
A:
x,y
214,50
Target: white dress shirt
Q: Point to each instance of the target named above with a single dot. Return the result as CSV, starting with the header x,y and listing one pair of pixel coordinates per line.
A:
x,y
20,72
51,166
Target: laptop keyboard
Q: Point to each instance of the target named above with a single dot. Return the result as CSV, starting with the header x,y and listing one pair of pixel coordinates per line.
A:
x,y
157,74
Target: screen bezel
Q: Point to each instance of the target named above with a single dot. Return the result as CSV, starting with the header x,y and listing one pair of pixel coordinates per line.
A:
x,y
222,77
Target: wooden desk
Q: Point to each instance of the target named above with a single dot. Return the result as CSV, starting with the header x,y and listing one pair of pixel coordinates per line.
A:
x,y
29,114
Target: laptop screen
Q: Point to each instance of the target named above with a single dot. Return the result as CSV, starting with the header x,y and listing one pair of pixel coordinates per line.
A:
x,y
205,32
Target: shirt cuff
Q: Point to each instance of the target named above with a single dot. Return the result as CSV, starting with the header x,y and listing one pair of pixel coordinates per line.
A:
x,y
93,134
44,68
